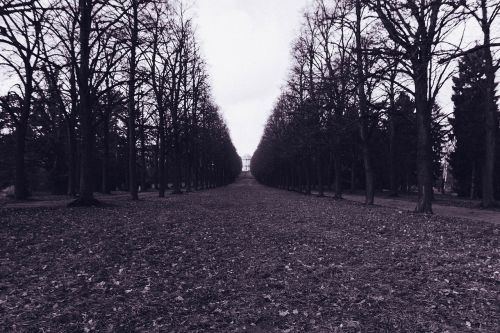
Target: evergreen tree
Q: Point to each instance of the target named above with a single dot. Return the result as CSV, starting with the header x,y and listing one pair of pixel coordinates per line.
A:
x,y
467,123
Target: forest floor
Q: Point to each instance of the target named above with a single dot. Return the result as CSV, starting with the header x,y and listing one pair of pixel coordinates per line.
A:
x,y
245,258
439,207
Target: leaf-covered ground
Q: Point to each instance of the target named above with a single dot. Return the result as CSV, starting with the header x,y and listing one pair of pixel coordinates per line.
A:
x,y
439,199
245,258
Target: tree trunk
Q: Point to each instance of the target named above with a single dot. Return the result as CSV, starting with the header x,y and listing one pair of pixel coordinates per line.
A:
x,y
320,178
20,185
72,156
132,155
424,147
105,155
307,174
393,169
188,170
161,157
143,160
86,193
472,193
176,173
337,165
490,125
369,188
363,109
72,139
353,175
176,163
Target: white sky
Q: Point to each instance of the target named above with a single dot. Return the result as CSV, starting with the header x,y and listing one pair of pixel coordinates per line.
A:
x,y
247,46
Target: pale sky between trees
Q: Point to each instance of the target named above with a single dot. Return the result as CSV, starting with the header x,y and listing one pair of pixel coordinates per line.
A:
x,y
247,46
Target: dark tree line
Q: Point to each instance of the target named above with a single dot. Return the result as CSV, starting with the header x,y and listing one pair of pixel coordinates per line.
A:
x,y
360,107
107,95
469,97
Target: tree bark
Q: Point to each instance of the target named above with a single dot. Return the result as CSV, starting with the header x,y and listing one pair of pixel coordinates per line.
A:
x,y
105,155
472,193
161,158
353,174
320,178
424,147
490,125
86,193
72,156
176,163
393,152
132,154
143,160
337,165
364,112
21,191
20,185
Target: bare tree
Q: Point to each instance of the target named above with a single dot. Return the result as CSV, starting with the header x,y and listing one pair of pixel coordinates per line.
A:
x,y
420,27
62,31
363,106
95,19
158,63
131,101
20,37
336,38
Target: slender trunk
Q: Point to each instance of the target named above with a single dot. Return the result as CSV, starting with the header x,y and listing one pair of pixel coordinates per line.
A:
x,y
329,173
159,91
20,186
156,155
72,139
143,159
393,169
320,178
176,171
473,182
353,175
188,173
132,155
307,174
196,174
337,165
161,157
105,155
490,125
424,148
59,161
86,193
176,163
363,109
369,187
72,156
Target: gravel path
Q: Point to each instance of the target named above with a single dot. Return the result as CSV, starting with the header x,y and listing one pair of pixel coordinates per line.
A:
x,y
245,258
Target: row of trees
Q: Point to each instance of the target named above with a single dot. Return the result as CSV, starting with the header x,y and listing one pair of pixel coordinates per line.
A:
x,y
98,83
360,105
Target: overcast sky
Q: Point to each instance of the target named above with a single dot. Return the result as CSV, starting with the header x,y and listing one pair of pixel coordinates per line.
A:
x,y
247,46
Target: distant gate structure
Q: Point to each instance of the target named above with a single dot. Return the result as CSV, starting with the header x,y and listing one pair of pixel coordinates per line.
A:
x,y
246,162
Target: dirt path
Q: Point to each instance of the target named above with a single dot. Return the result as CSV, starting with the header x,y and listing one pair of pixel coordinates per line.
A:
x,y
480,215
245,258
